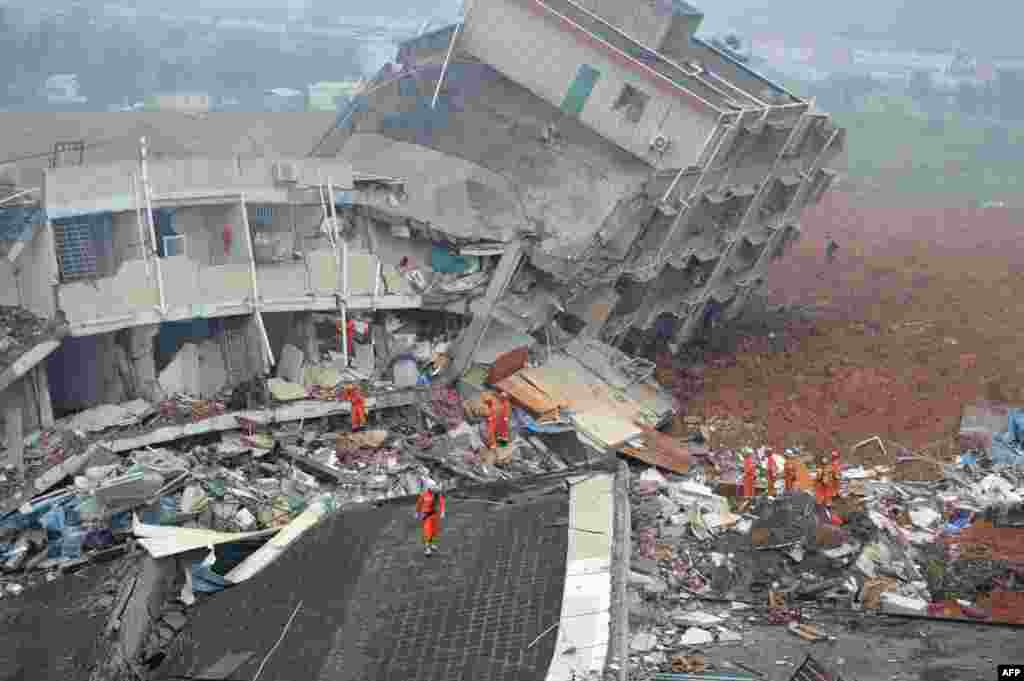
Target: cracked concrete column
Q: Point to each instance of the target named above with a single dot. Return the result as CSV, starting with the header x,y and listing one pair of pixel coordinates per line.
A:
x,y
15,438
308,326
42,386
140,352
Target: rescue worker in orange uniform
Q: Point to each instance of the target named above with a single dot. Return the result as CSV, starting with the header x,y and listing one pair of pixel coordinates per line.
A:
x,y
749,475
430,509
492,422
770,465
823,485
789,474
504,418
354,395
837,474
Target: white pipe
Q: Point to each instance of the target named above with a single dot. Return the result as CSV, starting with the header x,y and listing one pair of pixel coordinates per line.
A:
x,y
17,194
341,260
138,222
152,226
344,330
255,285
444,67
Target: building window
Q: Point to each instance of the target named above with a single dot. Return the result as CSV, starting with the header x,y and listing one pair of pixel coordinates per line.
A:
x,y
75,244
580,89
264,215
174,245
631,103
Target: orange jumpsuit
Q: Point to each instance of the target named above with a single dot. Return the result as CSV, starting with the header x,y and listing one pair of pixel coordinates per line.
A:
x,y
430,515
504,418
836,474
823,485
770,463
355,396
789,474
749,473
492,423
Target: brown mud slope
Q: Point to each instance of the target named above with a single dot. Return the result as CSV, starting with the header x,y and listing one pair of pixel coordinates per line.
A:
x,y
922,311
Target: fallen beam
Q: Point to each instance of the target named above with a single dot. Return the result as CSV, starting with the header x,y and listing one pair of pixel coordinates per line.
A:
x,y
310,465
295,411
26,362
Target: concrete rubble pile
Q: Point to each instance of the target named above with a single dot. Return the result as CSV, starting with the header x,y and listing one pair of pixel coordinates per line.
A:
x,y
708,563
216,484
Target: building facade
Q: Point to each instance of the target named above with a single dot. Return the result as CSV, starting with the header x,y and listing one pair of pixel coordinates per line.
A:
x,y
658,176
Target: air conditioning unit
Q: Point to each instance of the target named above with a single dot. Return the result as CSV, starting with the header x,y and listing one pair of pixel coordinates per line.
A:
x,y
286,172
660,143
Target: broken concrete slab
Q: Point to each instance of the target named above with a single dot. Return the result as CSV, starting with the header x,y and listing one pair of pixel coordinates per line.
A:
x,y
643,642
289,365
106,416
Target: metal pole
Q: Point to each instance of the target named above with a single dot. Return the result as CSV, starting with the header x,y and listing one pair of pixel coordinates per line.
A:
x,y
255,286
17,194
342,261
152,225
444,67
138,222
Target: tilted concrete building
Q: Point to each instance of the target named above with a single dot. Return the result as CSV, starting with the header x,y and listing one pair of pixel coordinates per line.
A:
x,y
649,175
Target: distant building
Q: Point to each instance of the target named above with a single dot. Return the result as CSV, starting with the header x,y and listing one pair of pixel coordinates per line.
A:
x,y
283,99
63,88
330,95
184,102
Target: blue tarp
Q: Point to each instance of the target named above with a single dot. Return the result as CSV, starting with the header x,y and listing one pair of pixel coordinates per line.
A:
x,y
16,222
523,421
444,261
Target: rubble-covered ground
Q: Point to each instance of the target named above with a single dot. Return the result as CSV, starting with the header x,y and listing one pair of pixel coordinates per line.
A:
x,y
20,330
915,318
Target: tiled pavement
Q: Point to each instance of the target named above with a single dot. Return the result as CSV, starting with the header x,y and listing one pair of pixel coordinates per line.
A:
x,y
374,607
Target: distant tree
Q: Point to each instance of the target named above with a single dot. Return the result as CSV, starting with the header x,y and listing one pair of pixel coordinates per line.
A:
x,y
967,99
920,86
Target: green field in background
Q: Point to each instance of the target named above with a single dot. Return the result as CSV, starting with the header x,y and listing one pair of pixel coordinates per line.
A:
x,y
891,142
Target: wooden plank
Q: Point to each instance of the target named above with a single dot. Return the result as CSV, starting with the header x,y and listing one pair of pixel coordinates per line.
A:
x,y
661,450
528,395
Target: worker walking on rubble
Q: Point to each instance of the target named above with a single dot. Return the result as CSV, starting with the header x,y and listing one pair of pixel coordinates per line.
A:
x,y
354,395
789,474
823,485
430,509
492,422
504,418
749,475
836,474
770,466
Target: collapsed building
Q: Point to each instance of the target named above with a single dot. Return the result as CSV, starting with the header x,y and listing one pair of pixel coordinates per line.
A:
x,y
617,176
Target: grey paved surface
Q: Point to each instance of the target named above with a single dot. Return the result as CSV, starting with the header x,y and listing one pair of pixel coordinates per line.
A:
x,y
48,632
375,608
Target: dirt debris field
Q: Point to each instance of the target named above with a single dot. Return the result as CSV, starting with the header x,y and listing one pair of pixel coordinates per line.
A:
x,y
916,316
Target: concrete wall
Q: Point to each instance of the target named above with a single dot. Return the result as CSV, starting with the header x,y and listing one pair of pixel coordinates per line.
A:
x,y
646,22
9,294
86,189
124,295
494,34
37,274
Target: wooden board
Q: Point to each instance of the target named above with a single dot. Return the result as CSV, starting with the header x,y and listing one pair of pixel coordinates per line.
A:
x,y
528,395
